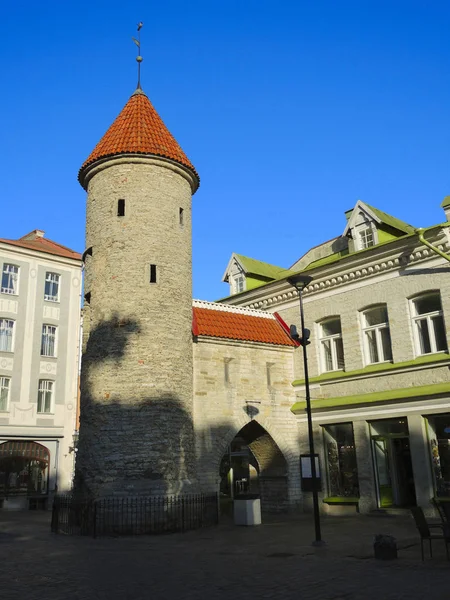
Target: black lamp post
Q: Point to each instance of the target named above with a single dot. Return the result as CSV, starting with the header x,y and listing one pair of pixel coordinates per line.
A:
x,y
300,282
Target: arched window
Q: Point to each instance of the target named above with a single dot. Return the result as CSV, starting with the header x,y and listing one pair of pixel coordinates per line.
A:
x,y
23,468
331,346
376,336
428,323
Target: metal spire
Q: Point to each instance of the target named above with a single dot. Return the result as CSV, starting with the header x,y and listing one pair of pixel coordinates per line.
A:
x,y
139,58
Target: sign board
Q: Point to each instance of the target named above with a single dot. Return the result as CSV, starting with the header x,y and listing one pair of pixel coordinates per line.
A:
x,y
306,475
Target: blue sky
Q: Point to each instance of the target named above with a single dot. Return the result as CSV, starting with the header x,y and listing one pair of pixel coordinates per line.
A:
x,y
290,111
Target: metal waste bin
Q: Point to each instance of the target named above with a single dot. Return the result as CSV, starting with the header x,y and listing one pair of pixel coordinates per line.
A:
x,y
247,510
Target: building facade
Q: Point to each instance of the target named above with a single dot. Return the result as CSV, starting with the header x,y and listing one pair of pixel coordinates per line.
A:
x,y
39,354
377,307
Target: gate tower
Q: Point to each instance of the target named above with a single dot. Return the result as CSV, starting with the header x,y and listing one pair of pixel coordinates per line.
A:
x,y
136,430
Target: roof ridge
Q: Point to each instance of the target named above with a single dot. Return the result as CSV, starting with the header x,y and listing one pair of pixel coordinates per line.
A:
x,y
243,310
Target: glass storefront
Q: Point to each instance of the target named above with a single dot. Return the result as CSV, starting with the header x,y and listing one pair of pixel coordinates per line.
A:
x,y
341,460
439,439
23,469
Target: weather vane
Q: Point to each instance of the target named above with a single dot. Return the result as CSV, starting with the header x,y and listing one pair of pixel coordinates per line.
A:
x,y
139,58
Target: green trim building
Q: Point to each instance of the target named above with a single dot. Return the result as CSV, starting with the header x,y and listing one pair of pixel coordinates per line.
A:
x,y
378,308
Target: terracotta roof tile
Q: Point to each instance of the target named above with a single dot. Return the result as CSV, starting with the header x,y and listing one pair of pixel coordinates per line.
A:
x,y
223,321
138,130
37,242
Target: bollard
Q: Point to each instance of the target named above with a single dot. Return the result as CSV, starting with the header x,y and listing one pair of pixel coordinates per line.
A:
x,y
385,547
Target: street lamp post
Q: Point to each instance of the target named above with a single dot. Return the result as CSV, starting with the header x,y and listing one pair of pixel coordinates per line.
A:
x,y
300,282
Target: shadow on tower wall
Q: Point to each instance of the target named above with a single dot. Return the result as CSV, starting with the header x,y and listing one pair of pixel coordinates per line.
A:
x,y
131,441
134,442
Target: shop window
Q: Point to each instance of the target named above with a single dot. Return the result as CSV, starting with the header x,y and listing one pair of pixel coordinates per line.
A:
x,y
428,324
331,346
341,460
376,336
439,436
24,469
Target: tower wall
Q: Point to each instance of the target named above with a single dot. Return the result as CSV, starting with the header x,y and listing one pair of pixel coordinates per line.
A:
x,y
136,433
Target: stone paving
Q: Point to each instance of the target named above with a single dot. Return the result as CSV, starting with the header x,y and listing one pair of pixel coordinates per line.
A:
x,y
273,561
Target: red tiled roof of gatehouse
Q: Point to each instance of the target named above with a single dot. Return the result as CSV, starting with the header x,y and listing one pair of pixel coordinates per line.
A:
x,y
138,130
212,319
35,241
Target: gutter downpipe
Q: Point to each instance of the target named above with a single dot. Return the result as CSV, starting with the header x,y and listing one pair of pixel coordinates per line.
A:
x,y
420,232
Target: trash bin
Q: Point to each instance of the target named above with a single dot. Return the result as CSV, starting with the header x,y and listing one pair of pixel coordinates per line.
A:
x,y
247,510
385,547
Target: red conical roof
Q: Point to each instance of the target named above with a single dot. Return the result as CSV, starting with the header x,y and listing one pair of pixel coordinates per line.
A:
x,y
138,130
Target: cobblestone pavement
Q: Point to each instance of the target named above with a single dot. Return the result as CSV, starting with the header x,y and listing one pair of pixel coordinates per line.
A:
x,y
274,561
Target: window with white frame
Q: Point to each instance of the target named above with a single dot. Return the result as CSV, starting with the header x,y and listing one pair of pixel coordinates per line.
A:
x,y
331,346
45,396
366,238
4,393
376,336
239,284
6,335
428,324
10,279
48,340
51,292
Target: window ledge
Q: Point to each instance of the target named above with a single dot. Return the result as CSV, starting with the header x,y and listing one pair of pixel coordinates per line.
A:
x,y
335,372
335,376
394,395
341,500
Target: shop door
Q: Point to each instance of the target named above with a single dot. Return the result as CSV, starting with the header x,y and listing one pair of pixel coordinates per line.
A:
x,y
405,493
380,448
394,473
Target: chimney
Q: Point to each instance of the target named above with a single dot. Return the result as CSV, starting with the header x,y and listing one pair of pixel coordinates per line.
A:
x,y
36,233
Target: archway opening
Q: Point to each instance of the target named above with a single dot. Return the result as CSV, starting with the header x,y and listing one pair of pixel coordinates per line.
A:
x,y
253,464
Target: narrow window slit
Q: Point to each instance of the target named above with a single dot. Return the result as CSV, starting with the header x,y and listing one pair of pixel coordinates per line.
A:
x,y
121,208
181,216
152,273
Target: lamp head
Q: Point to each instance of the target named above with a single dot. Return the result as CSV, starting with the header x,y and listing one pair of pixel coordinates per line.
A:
x,y
299,281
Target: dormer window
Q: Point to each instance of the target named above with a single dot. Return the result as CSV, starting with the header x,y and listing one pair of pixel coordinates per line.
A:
x,y
239,284
366,238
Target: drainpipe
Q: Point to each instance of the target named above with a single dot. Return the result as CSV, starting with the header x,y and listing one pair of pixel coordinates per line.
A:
x,y
420,232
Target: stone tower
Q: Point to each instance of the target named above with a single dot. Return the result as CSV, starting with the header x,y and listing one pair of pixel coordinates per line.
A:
x,y
136,431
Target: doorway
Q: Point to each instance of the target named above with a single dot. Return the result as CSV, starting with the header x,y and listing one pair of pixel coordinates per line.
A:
x,y
254,465
391,453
